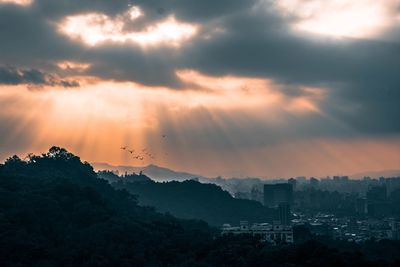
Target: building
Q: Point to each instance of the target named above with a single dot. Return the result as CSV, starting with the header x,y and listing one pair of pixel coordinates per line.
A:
x,y
392,184
257,194
314,182
361,206
293,182
395,225
274,234
301,179
376,201
275,194
284,214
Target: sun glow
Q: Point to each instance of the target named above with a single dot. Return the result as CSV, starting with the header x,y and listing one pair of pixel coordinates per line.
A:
x,y
17,2
95,28
72,65
340,18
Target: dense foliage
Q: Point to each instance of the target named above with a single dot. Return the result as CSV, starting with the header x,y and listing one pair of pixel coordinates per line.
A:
x,y
54,211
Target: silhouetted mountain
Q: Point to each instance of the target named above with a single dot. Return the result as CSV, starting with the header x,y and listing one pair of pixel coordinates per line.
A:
x,y
155,172
194,200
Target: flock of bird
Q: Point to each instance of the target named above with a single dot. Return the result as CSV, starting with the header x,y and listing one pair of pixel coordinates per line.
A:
x,y
140,154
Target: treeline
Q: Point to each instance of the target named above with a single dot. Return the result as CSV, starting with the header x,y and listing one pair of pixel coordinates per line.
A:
x,y
54,211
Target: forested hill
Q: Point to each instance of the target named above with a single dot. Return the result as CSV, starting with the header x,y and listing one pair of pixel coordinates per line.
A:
x,y
54,211
194,200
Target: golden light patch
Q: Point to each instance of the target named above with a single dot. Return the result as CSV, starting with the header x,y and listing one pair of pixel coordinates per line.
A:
x,y
17,2
72,65
340,18
95,28
134,12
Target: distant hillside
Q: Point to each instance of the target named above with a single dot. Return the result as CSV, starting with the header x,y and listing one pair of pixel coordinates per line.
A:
x,y
194,200
161,174
155,172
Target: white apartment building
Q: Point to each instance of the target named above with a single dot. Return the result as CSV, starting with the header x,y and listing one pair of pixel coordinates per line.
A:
x,y
274,234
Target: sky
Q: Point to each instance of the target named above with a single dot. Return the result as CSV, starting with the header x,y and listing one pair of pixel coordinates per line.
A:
x,y
231,87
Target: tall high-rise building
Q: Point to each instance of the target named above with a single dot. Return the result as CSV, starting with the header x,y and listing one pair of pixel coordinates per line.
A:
x,y
376,201
284,213
293,182
275,194
361,206
314,182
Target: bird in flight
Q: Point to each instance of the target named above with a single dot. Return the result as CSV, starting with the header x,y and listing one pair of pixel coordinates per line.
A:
x,y
124,148
131,151
164,135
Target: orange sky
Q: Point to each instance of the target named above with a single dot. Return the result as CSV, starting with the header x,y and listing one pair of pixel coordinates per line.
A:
x,y
98,119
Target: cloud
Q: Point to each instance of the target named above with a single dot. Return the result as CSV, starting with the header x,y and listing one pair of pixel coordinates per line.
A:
x,y
13,76
244,38
95,28
340,18
360,74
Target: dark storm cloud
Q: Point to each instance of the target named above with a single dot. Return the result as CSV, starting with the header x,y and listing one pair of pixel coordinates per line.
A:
x,y
371,107
30,40
125,63
13,76
193,10
256,46
361,75
56,9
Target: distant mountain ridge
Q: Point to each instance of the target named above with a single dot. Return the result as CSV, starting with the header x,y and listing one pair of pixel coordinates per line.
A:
x,y
159,174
